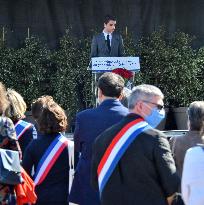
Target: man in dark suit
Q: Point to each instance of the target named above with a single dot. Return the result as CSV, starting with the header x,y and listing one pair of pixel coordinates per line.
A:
x,y
140,168
108,43
89,124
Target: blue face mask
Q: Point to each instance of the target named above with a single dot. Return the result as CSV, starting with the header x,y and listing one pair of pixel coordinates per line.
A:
x,y
155,117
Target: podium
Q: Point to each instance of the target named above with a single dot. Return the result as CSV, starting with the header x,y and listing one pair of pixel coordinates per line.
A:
x,y
107,64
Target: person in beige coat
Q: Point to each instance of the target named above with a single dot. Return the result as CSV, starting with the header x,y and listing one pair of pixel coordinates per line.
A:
x,y
194,136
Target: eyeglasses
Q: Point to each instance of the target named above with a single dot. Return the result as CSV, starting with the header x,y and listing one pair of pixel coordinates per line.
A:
x,y
159,107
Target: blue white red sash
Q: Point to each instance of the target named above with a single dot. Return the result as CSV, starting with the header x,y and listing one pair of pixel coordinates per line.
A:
x,y
21,126
117,148
49,158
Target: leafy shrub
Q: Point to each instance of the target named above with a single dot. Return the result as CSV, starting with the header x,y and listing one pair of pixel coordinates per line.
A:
x,y
24,69
72,81
172,65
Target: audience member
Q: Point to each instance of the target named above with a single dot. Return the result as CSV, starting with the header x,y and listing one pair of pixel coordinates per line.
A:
x,y
132,163
7,141
50,158
37,107
180,144
192,177
16,111
89,124
124,96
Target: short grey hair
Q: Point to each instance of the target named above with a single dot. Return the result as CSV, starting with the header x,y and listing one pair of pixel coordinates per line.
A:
x,y
143,92
196,116
125,95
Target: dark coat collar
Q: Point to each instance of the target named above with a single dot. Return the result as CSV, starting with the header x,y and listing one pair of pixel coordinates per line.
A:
x,y
130,117
110,102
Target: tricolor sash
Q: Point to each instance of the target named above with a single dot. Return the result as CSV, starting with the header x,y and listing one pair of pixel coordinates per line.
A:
x,y
117,148
49,158
21,126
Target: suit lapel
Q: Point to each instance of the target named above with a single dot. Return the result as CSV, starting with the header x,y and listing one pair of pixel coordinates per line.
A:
x,y
113,43
109,103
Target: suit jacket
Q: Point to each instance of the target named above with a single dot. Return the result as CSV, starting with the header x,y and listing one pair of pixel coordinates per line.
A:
x,y
146,173
89,124
180,144
54,189
99,46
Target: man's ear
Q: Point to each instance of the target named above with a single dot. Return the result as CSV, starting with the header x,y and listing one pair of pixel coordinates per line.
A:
x,y
138,107
100,94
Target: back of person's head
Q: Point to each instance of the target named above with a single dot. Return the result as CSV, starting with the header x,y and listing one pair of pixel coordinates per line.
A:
x,y
17,106
111,84
124,96
3,99
143,92
196,116
52,119
108,18
37,105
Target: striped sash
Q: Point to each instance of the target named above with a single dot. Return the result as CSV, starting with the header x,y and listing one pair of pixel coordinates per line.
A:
x,y
49,158
21,126
117,148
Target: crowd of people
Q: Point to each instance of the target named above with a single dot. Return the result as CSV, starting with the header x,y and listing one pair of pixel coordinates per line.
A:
x,y
120,156
41,146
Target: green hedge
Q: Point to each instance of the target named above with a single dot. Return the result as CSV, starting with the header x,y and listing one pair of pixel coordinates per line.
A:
x,y
172,65
33,70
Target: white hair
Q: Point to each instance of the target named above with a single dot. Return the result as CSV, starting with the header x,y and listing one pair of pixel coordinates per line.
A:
x,y
143,92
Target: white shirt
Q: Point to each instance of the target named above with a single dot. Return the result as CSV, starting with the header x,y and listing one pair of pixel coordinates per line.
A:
x,y
110,36
192,185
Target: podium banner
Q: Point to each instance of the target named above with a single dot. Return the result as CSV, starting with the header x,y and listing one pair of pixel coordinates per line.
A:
x,y
110,63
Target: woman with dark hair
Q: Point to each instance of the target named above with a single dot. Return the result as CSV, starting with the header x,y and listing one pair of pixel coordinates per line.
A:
x,y
49,155
7,141
37,105
37,108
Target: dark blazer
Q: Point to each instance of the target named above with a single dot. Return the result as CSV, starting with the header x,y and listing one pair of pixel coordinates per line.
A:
x,y
54,189
99,46
146,173
89,124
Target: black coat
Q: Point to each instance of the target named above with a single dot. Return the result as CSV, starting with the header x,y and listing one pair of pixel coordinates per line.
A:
x,y
54,189
146,173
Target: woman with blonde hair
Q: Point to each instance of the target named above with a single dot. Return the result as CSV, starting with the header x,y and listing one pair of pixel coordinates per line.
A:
x,y
16,111
51,161
7,141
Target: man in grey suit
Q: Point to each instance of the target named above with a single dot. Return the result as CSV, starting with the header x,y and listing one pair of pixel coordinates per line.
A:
x,y
108,43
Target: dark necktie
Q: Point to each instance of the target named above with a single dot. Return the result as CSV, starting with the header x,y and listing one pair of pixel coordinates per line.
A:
x,y
108,42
